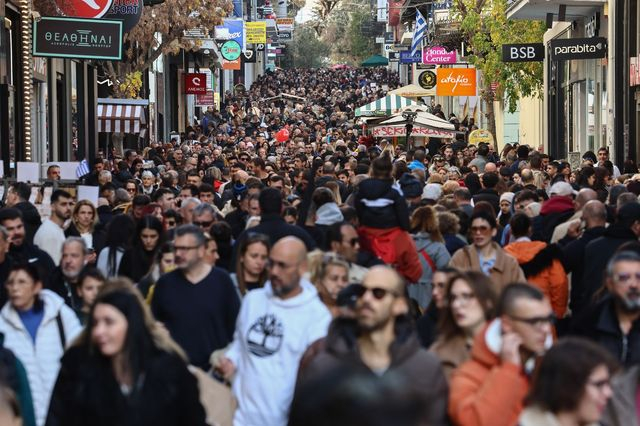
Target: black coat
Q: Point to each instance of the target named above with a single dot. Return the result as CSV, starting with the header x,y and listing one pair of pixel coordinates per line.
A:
x,y
136,263
379,205
31,219
99,236
573,263
86,393
490,196
68,291
599,323
597,254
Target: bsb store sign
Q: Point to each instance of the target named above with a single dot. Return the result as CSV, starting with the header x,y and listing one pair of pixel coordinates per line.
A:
x,y
77,38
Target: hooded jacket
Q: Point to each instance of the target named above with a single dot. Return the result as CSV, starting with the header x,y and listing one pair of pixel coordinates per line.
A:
x,y
541,264
395,247
380,204
438,254
270,338
418,369
555,210
486,391
41,358
328,214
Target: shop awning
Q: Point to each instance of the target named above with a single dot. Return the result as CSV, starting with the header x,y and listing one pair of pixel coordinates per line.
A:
x,y
375,61
538,9
388,105
413,91
121,115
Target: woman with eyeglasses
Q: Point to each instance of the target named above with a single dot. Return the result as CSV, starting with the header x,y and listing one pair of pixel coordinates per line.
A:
x,y
124,370
470,302
251,264
330,274
137,260
84,224
571,386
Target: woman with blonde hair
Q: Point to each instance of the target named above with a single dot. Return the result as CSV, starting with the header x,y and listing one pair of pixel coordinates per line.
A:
x,y
85,224
124,369
330,274
431,250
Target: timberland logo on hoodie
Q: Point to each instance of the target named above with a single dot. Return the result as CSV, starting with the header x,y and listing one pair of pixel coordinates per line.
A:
x,y
265,336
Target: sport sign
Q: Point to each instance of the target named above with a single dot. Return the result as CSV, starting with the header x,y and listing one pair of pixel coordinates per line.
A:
x,y
456,82
231,50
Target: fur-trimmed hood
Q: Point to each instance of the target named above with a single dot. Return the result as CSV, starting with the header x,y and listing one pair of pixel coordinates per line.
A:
x,y
534,256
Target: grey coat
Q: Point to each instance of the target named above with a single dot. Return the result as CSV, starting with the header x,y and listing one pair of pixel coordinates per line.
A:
x,y
421,291
621,410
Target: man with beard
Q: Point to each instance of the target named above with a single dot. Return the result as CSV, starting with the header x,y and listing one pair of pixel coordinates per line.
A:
x,y
64,279
614,320
50,235
276,324
197,302
381,342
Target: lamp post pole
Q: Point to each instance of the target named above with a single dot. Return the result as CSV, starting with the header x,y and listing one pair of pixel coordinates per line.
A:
x,y
410,116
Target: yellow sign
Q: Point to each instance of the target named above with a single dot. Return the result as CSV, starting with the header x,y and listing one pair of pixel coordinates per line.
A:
x,y
256,32
480,135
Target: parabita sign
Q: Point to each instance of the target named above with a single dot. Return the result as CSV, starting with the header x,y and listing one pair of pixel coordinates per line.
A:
x,y
77,38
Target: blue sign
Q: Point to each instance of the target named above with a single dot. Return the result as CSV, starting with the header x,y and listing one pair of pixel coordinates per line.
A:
x,y
231,29
406,58
237,8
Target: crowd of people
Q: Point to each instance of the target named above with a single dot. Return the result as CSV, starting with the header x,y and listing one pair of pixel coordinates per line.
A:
x,y
275,265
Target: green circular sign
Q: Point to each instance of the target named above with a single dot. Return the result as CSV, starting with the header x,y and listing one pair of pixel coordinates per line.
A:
x,y
231,50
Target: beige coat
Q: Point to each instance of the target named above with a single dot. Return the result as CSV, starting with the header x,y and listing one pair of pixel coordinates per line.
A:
x,y
505,271
452,353
621,410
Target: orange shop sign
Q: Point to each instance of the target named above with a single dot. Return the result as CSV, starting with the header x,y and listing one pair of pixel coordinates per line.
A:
x,y
456,82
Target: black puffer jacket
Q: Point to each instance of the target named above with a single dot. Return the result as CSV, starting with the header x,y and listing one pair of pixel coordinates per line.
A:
x,y
380,204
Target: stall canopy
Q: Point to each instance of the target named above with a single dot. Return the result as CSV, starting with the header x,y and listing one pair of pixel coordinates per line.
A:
x,y
375,61
412,91
388,105
121,115
424,124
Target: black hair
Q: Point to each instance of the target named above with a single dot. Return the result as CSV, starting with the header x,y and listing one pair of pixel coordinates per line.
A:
x,y
334,232
520,224
59,193
513,292
119,232
484,215
160,192
10,214
90,271
270,201
22,189
490,179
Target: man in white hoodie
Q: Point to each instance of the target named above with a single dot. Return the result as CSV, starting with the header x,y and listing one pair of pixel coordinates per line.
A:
x,y
275,326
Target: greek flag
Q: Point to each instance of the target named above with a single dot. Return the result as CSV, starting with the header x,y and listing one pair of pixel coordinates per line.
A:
x,y
418,33
82,169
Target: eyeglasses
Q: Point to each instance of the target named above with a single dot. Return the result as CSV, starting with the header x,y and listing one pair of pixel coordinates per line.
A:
x,y
378,293
536,321
203,224
185,248
626,277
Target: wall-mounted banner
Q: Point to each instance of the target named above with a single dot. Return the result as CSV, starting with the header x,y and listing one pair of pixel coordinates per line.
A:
x,y
231,29
195,83
567,49
83,8
129,11
256,32
529,52
231,50
406,58
77,38
438,55
456,82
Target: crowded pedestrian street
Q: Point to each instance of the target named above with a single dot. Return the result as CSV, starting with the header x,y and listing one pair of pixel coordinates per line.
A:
x,y
328,214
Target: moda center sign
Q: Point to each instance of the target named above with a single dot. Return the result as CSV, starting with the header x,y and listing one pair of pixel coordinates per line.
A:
x,y
578,48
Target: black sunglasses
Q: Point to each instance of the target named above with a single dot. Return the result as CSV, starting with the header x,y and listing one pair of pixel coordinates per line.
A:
x,y
203,224
379,293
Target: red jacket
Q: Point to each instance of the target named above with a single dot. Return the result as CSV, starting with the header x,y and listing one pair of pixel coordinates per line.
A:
x,y
395,247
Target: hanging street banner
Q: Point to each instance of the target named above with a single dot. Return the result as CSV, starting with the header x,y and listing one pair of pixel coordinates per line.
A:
x,y
438,55
83,8
406,58
578,48
58,37
523,52
456,82
256,32
231,50
231,29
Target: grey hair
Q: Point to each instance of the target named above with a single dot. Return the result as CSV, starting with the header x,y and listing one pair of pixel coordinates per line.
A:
x,y
79,240
183,230
147,173
623,256
203,208
191,200
105,173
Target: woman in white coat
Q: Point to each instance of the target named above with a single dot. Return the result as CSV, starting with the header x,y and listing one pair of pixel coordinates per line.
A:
x,y
37,326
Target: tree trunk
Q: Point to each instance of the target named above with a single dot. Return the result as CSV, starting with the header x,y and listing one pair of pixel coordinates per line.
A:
x,y
117,140
491,120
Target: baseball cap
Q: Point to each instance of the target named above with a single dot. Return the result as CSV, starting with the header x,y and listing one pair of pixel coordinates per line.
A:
x,y
563,189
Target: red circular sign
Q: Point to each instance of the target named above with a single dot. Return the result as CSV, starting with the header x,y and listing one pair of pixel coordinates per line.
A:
x,y
83,8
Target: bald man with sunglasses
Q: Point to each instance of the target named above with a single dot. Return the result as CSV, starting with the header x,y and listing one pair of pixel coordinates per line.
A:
x,y
380,341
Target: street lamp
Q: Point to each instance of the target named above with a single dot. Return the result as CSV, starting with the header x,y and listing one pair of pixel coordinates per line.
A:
x,y
410,116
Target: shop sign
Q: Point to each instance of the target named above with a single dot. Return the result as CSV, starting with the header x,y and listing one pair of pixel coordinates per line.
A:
x,y
578,48
256,32
83,8
59,37
634,71
480,136
527,52
205,100
407,58
231,29
128,11
389,37
394,56
285,36
230,50
438,55
285,24
391,131
195,82
592,26
249,56
456,82
231,65
428,80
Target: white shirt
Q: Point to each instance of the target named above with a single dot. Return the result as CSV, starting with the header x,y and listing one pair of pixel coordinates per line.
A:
x,y
50,238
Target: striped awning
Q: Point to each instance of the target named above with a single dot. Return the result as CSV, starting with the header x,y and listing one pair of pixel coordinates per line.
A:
x,y
120,118
388,105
